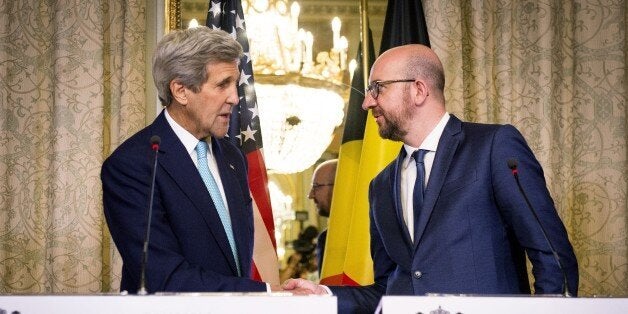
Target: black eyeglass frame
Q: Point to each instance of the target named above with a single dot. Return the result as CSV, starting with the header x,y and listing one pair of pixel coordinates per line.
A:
x,y
316,186
374,87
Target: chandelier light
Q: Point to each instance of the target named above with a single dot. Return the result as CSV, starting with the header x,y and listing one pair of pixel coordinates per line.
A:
x,y
301,98
297,124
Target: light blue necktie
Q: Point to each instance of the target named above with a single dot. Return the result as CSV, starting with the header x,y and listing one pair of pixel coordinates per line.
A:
x,y
419,185
214,192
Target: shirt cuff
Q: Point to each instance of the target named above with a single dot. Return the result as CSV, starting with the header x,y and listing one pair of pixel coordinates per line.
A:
x,y
327,289
268,287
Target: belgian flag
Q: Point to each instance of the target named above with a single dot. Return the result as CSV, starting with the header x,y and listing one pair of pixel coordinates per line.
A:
x,y
363,154
334,271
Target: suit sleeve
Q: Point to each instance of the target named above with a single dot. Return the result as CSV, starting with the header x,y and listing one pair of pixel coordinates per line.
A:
x,y
125,197
508,144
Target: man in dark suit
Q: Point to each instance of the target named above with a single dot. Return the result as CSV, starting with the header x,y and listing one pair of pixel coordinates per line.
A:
x,y
321,193
451,219
202,223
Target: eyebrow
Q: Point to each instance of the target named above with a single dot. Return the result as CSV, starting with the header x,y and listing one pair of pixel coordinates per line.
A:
x,y
228,79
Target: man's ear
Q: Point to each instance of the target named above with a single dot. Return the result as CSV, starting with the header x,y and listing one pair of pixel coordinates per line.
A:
x,y
178,92
422,91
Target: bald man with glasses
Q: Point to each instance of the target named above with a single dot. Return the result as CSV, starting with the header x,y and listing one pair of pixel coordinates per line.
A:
x,y
321,193
446,216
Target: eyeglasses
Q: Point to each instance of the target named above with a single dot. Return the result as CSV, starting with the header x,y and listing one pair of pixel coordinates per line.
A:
x,y
316,185
374,87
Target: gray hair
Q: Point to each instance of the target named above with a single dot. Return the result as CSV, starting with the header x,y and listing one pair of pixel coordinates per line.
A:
x,y
183,55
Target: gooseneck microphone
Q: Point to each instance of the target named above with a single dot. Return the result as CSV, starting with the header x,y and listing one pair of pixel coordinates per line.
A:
x,y
512,164
155,140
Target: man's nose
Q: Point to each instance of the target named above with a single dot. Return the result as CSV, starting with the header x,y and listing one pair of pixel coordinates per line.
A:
x,y
233,99
369,102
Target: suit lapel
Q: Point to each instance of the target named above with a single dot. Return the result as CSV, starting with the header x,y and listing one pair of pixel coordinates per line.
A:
x,y
237,208
395,179
393,229
447,145
177,163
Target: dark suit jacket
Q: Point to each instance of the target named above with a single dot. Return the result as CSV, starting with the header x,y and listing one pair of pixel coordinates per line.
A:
x,y
320,249
474,228
189,250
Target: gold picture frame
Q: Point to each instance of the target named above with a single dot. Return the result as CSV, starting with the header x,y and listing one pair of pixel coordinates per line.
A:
x,y
173,15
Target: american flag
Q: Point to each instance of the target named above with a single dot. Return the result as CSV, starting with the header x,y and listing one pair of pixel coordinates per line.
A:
x,y
245,131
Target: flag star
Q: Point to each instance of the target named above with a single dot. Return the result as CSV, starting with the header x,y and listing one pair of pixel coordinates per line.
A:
x,y
254,111
244,78
234,33
247,57
249,134
239,22
215,9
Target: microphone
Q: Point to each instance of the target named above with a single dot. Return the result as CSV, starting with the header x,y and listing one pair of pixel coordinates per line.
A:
x,y
512,164
155,140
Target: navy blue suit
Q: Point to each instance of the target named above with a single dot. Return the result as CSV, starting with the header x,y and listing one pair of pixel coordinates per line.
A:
x,y
189,250
474,228
320,249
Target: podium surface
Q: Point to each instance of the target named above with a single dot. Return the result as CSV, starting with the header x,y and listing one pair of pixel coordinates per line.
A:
x,y
499,304
202,303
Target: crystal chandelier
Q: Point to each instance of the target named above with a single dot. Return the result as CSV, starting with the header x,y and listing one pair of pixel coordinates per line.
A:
x,y
300,98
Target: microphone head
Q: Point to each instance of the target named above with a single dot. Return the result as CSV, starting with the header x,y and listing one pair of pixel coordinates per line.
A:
x,y
155,140
512,164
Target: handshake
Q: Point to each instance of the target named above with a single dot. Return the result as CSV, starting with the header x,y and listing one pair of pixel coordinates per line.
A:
x,y
301,287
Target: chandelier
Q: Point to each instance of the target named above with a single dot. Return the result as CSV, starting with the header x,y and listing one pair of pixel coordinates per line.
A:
x,y
301,98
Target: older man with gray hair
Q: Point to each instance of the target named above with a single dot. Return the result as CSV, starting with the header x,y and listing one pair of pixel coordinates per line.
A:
x,y
202,220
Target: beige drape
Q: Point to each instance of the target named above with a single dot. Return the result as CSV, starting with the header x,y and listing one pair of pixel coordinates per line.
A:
x,y
72,86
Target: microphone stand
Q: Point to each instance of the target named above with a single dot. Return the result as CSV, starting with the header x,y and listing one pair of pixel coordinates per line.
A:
x,y
154,141
512,164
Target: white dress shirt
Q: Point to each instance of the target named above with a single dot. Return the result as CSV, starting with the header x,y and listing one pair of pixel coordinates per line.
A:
x,y
190,142
408,171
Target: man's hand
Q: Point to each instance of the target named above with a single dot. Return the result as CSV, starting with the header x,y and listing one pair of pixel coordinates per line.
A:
x,y
295,289
303,287
275,288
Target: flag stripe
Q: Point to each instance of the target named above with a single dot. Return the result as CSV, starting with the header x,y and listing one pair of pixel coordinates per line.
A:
x,y
245,132
342,209
339,280
347,259
344,236
376,154
259,189
356,116
264,250
404,24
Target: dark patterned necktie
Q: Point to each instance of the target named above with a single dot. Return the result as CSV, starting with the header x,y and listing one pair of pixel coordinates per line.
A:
x,y
419,185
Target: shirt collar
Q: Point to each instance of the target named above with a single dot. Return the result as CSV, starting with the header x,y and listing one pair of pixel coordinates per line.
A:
x,y
431,141
188,140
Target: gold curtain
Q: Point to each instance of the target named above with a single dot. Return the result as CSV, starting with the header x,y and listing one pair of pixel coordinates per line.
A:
x,y
557,71
71,88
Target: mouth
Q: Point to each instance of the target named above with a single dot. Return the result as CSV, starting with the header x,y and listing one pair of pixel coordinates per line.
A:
x,y
225,116
379,119
377,114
